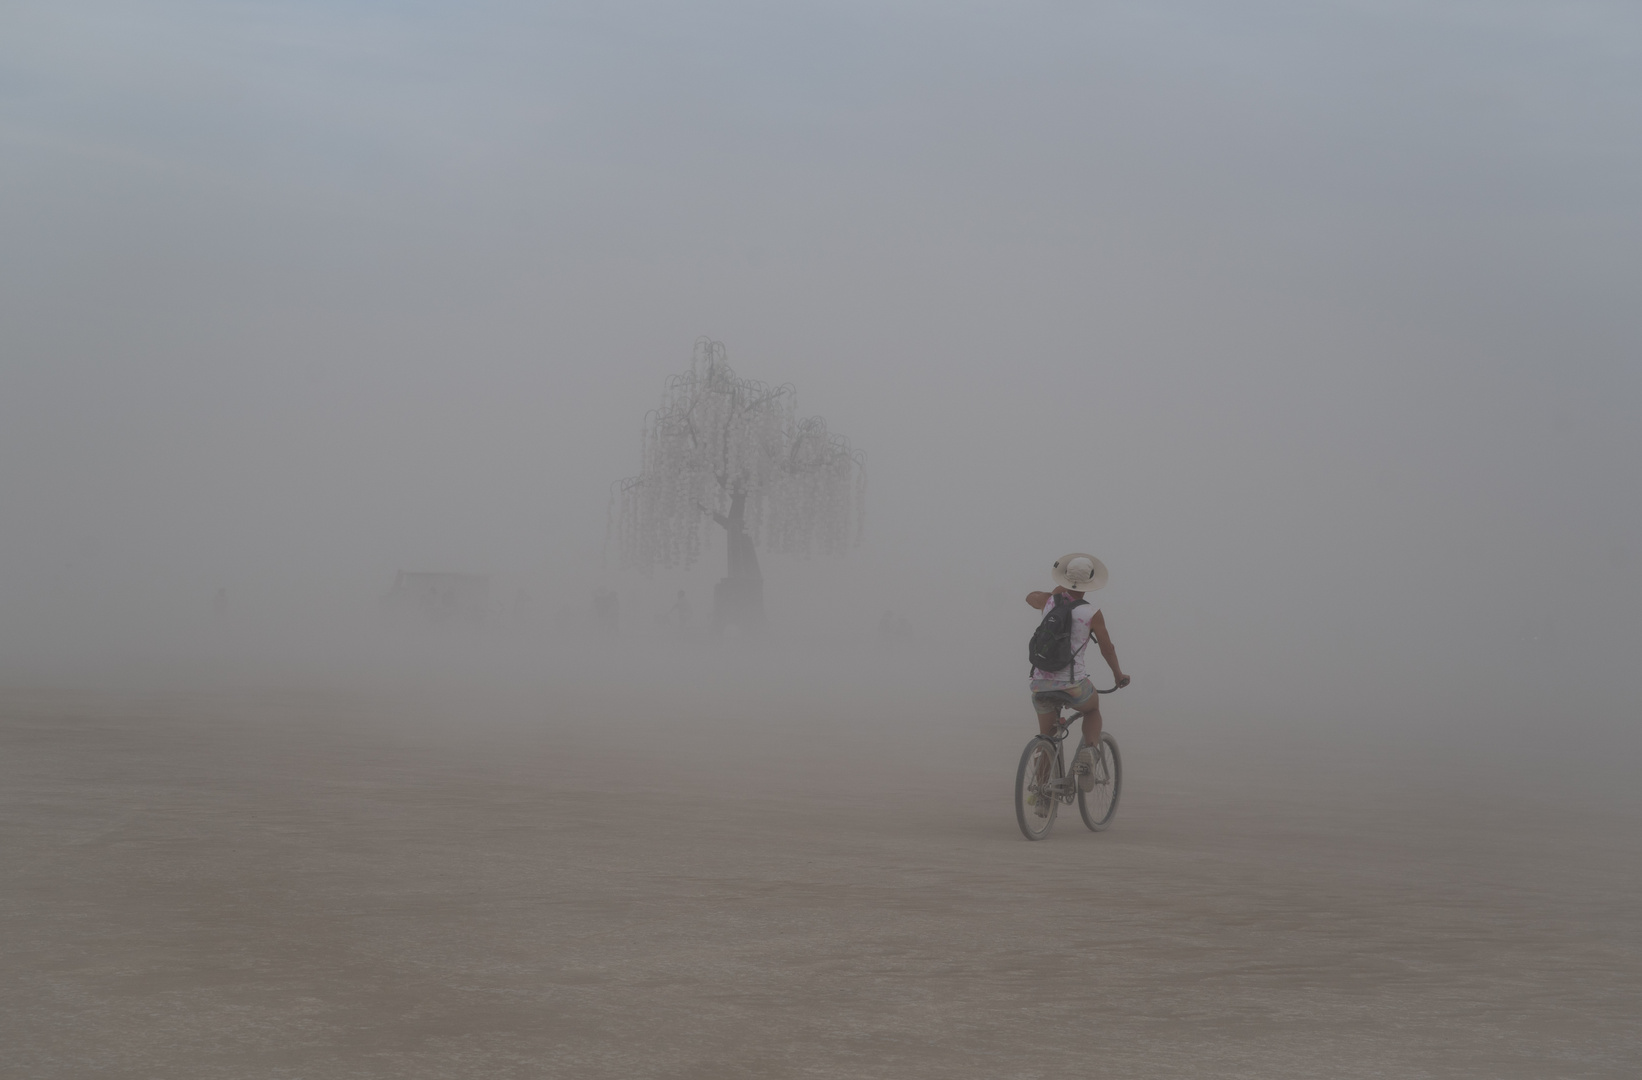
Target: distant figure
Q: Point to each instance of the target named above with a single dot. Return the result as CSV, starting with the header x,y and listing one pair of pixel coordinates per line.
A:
x,y
439,598
679,613
219,604
606,609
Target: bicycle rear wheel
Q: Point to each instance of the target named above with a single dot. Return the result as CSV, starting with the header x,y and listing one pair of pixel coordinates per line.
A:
x,y
1099,803
1035,801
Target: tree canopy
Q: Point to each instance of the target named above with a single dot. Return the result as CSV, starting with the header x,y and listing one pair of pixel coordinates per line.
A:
x,y
735,450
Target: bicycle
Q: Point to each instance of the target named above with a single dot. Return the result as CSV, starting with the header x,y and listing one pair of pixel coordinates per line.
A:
x,y
1042,783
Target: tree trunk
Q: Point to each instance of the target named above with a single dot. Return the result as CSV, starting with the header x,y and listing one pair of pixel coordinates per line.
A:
x,y
738,600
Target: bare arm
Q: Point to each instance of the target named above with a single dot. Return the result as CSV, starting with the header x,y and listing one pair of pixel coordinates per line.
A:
x,y
1097,626
1039,599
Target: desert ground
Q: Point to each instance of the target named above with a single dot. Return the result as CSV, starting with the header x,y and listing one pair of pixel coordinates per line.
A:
x,y
584,879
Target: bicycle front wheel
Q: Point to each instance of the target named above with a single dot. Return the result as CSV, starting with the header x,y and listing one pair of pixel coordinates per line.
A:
x,y
1035,801
1099,803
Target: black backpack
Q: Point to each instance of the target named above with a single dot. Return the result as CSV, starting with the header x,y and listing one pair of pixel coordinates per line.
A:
x,y
1051,648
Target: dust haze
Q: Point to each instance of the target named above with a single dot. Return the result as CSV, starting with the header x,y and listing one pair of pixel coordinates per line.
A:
x,y
1317,323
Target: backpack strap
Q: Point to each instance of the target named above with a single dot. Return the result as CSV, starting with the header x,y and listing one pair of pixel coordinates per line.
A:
x,y
1072,666
1048,610
1071,653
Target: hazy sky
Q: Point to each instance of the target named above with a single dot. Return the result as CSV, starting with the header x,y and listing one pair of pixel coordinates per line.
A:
x,y
1319,322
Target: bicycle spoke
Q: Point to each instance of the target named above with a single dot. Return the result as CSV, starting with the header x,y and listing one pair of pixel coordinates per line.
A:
x,y
1099,803
1036,790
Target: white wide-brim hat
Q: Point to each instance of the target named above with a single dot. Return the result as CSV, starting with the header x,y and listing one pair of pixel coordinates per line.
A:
x,y
1079,572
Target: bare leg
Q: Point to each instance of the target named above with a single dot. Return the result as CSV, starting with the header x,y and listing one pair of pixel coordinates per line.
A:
x,y
1046,722
1091,723
1046,725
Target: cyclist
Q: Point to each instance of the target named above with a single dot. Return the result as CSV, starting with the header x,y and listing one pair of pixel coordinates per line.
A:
x,y
1075,575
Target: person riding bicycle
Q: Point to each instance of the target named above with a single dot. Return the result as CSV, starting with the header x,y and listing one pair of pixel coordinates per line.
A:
x,y
1074,575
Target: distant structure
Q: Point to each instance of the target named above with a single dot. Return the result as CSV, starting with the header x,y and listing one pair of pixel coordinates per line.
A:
x,y
734,451
439,598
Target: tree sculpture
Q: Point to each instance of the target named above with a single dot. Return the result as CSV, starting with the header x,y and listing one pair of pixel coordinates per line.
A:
x,y
734,450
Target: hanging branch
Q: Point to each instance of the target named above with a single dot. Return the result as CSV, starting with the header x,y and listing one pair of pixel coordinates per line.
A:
x,y
716,436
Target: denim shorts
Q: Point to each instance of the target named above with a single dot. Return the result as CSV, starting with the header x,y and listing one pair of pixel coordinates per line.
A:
x,y
1077,695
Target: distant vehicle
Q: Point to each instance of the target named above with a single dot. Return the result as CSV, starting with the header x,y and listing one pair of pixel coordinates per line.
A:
x,y
439,598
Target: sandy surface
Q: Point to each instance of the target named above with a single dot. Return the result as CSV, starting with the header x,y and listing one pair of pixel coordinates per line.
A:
x,y
311,885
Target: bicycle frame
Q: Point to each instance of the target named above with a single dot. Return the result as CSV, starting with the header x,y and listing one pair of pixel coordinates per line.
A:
x,y
1043,783
1064,785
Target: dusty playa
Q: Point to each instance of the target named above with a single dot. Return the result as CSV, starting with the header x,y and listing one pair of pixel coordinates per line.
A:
x,y
515,517
317,884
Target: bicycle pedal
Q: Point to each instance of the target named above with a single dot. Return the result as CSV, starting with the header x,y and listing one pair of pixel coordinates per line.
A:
x,y
1084,770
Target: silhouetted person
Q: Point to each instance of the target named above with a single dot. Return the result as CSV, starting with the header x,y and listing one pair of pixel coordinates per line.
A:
x,y
1074,575
679,613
